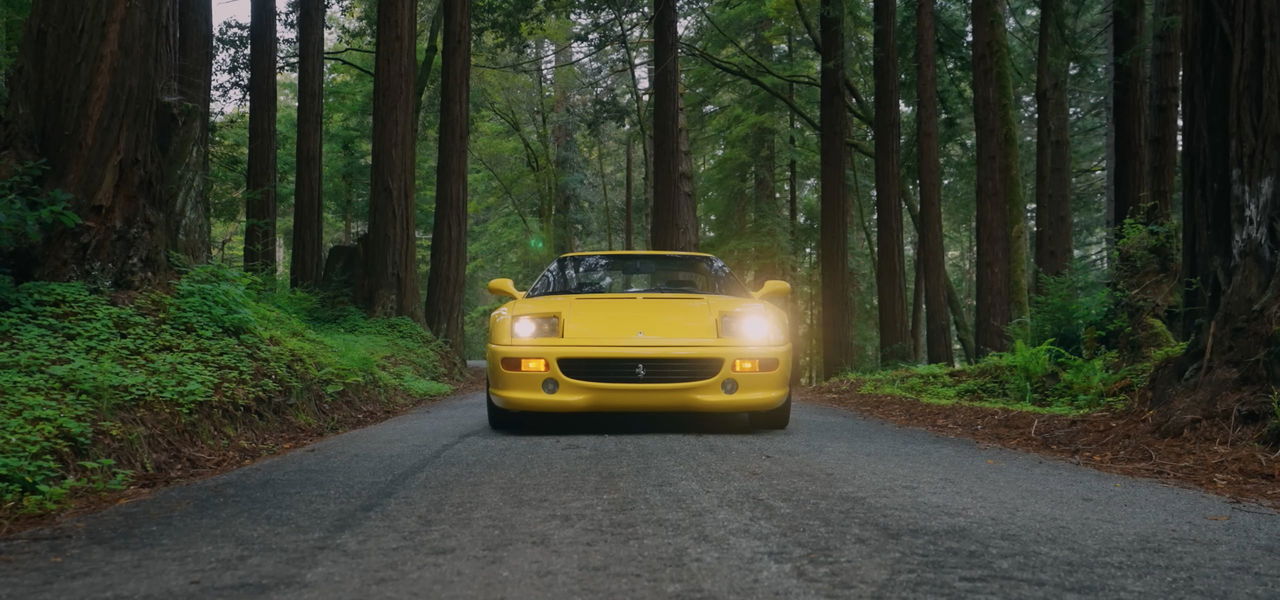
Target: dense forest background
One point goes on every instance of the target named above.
(1087, 184)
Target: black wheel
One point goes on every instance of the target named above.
(777, 418)
(500, 418)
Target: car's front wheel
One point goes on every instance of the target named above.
(777, 418)
(499, 418)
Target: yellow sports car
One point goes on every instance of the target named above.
(640, 332)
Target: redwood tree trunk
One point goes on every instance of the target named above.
(674, 217)
(308, 199)
(627, 195)
(991, 101)
(564, 154)
(1231, 215)
(1128, 28)
(1053, 145)
(891, 278)
(769, 251)
(1166, 66)
(447, 281)
(92, 94)
(834, 214)
(189, 185)
(391, 258)
(260, 199)
(932, 258)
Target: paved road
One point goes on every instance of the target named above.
(433, 504)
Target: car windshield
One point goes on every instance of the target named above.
(637, 273)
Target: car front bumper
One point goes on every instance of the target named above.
(523, 391)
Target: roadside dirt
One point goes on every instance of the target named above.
(1220, 458)
(202, 460)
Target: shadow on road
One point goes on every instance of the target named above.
(632, 424)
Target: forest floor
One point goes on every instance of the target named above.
(245, 449)
(1221, 458)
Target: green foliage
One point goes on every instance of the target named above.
(1073, 309)
(1041, 378)
(26, 209)
(74, 365)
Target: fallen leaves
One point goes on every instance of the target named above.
(1123, 441)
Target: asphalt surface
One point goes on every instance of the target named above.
(435, 505)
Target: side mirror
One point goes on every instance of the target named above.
(505, 287)
(773, 289)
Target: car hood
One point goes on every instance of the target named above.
(630, 319)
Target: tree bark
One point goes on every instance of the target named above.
(391, 263)
(190, 187)
(93, 96)
(766, 218)
(1053, 145)
(891, 278)
(627, 195)
(834, 214)
(446, 284)
(428, 61)
(932, 257)
(604, 199)
(1128, 28)
(1166, 67)
(674, 217)
(917, 310)
(1001, 285)
(1231, 217)
(564, 154)
(308, 199)
(260, 199)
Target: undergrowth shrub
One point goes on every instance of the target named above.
(26, 209)
(76, 368)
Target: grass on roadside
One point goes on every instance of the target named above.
(1041, 378)
(95, 387)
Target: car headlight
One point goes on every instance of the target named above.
(528, 327)
(752, 327)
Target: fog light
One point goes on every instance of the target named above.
(525, 365)
(755, 365)
(550, 385)
(729, 386)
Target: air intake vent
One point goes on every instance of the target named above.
(640, 370)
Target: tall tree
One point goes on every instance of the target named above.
(391, 263)
(1129, 115)
(766, 218)
(446, 283)
(190, 177)
(932, 259)
(1166, 67)
(105, 72)
(260, 199)
(1053, 144)
(564, 148)
(1001, 228)
(308, 196)
(674, 216)
(627, 192)
(891, 278)
(834, 213)
(1231, 214)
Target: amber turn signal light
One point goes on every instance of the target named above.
(754, 365)
(525, 365)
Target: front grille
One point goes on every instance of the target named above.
(640, 370)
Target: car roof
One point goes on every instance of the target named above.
(636, 252)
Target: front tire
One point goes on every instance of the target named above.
(500, 419)
(777, 418)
